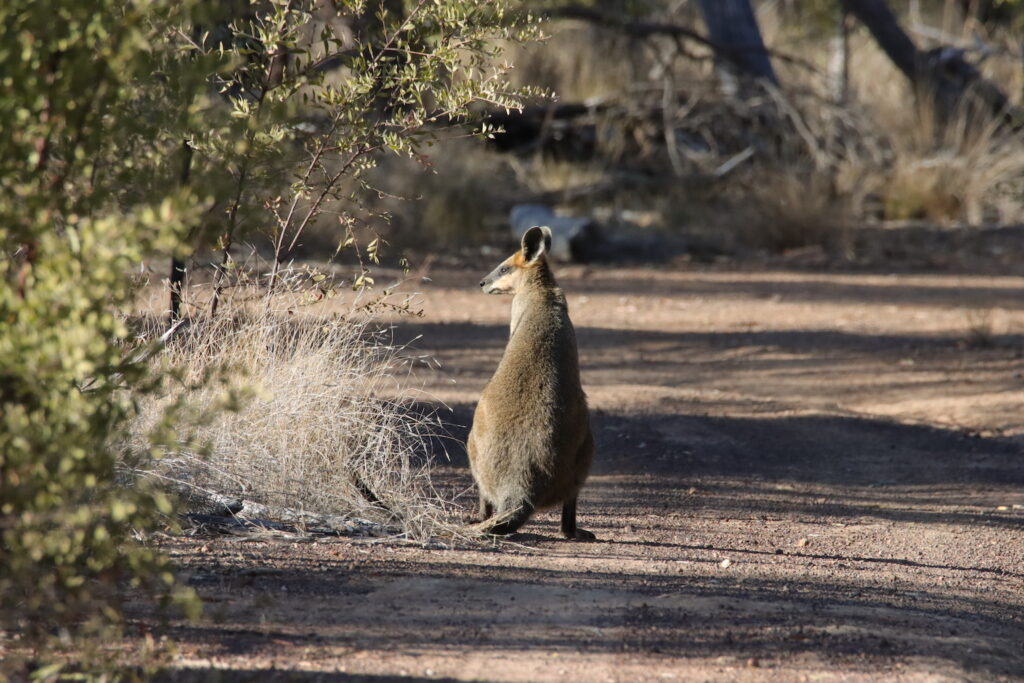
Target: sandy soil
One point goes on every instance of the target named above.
(800, 477)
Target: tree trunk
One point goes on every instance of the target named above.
(839, 60)
(942, 73)
(732, 27)
(177, 278)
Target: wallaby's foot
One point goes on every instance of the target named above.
(581, 535)
(569, 528)
(486, 510)
(508, 521)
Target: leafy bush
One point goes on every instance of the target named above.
(81, 202)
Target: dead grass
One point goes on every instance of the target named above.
(964, 172)
(960, 172)
(459, 196)
(329, 425)
(579, 62)
(790, 210)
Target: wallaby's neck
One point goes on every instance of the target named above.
(539, 277)
(538, 289)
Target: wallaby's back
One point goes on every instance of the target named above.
(531, 445)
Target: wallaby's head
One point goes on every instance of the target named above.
(512, 273)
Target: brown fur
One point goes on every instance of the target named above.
(531, 445)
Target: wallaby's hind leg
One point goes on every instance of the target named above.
(486, 509)
(509, 521)
(569, 528)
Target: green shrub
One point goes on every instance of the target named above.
(83, 197)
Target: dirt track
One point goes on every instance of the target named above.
(799, 477)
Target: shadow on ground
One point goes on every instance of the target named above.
(214, 675)
(431, 336)
(451, 607)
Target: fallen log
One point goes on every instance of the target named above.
(250, 513)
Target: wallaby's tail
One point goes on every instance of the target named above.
(509, 521)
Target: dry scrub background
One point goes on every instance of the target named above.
(661, 128)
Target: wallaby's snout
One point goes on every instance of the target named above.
(501, 280)
(531, 445)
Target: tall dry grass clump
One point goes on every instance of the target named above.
(328, 427)
(793, 210)
(960, 169)
(964, 171)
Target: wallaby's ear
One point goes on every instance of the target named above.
(536, 242)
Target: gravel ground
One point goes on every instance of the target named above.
(799, 477)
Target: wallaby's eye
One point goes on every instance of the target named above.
(505, 269)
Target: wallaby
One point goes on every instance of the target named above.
(530, 446)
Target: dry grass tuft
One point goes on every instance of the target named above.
(579, 62)
(329, 426)
(961, 172)
(791, 210)
(980, 329)
(955, 173)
